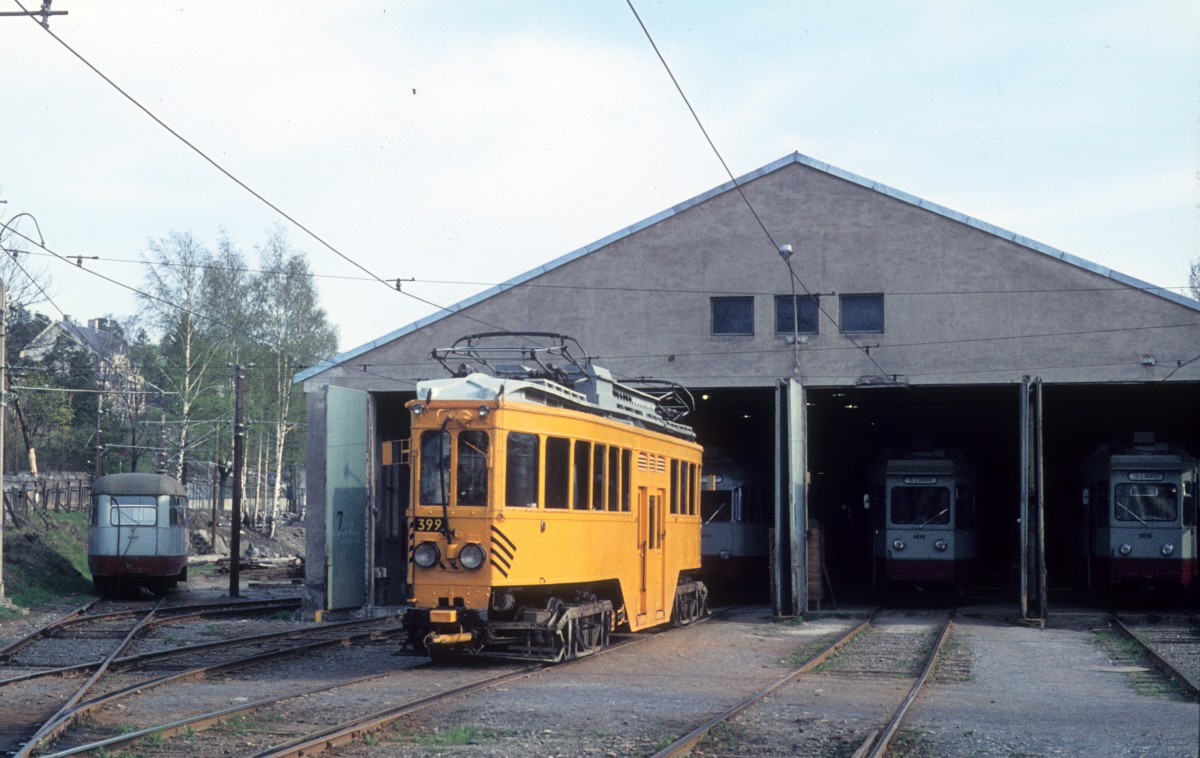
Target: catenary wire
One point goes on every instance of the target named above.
(741, 192)
(320, 240)
(1117, 288)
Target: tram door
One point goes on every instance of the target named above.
(650, 598)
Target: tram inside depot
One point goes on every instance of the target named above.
(847, 432)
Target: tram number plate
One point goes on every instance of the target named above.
(425, 524)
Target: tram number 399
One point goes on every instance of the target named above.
(425, 524)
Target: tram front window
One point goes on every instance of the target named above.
(920, 505)
(716, 505)
(1146, 502)
(435, 468)
(472, 467)
(132, 510)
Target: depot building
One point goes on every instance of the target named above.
(895, 327)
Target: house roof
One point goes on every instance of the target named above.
(97, 341)
(794, 158)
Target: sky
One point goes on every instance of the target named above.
(455, 145)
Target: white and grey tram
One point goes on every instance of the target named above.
(734, 533)
(1140, 516)
(137, 533)
(923, 523)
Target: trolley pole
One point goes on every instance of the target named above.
(235, 525)
(3, 418)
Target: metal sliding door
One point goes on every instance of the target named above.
(790, 570)
(346, 497)
(1033, 503)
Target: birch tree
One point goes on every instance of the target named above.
(188, 304)
(292, 329)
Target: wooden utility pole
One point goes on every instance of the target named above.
(235, 524)
(3, 392)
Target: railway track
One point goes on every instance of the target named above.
(54, 675)
(312, 720)
(876, 647)
(1172, 641)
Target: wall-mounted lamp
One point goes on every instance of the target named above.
(785, 252)
(1149, 360)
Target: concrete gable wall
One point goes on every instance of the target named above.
(962, 306)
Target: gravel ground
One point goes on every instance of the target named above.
(1002, 690)
(1051, 691)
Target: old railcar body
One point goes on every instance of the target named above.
(550, 505)
(137, 532)
(925, 534)
(1140, 516)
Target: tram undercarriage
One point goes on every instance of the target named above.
(554, 632)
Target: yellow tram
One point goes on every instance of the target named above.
(550, 505)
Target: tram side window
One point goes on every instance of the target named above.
(94, 515)
(178, 507)
(521, 471)
(614, 478)
(599, 456)
(751, 504)
(1100, 503)
(472, 467)
(626, 482)
(1189, 503)
(964, 508)
(583, 462)
(558, 472)
(674, 486)
(435, 468)
(691, 482)
(652, 522)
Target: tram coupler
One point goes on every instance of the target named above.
(433, 639)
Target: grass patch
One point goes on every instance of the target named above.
(911, 745)
(1155, 682)
(10, 613)
(46, 561)
(725, 737)
(454, 736)
(460, 734)
(237, 725)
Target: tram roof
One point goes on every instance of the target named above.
(794, 158)
(605, 398)
(138, 484)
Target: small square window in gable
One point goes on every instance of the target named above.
(807, 321)
(733, 316)
(862, 313)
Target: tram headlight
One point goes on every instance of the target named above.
(1168, 549)
(898, 544)
(471, 556)
(1125, 549)
(426, 555)
(941, 546)
(418, 409)
(484, 410)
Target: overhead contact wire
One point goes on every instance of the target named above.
(738, 187)
(320, 240)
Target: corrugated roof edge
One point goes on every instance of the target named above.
(797, 157)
